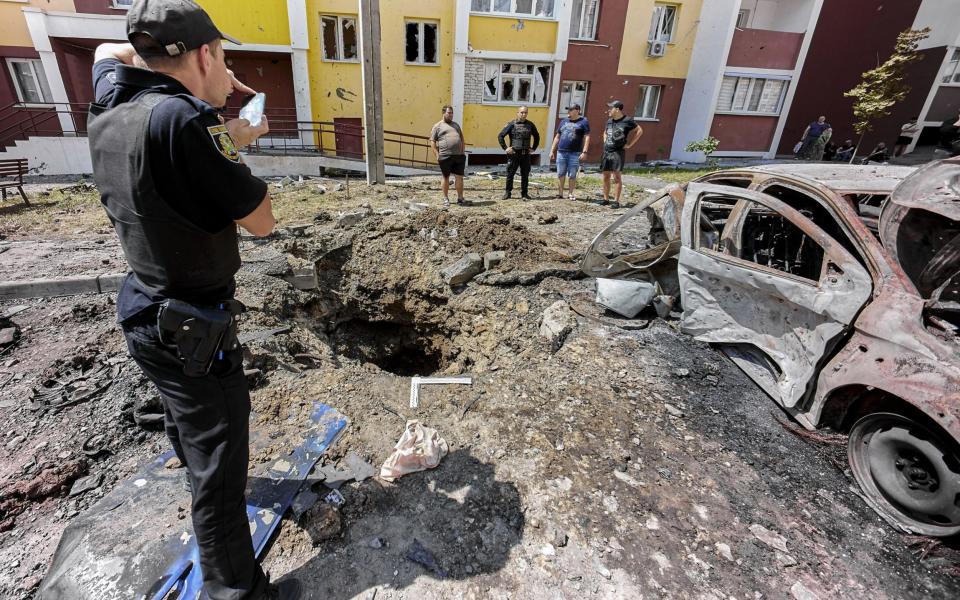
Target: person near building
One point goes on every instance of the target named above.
(449, 147)
(810, 136)
(570, 146)
(175, 187)
(908, 131)
(879, 154)
(820, 147)
(845, 152)
(524, 140)
(620, 134)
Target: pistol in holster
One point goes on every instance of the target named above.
(200, 335)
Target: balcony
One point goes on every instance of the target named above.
(765, 49)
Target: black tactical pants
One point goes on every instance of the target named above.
(520, 159)
(207, 421)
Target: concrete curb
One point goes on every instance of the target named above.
(68, 286)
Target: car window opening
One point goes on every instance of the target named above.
(868, 208)
(752, 232)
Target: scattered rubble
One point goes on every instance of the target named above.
(463, 270)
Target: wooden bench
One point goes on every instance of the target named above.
(11, 176)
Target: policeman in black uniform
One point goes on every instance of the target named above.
(175, 187)
(524, 139)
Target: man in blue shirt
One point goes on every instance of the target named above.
(570, 146)
(810, 136)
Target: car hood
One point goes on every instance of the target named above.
(920, 227)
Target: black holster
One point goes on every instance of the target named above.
(200, 335)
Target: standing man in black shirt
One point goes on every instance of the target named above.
(622, 132)
(524, 139)
(175, 188)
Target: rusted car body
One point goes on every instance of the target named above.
(837, 290)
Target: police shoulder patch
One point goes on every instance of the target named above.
(224, 143)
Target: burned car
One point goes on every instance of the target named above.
(836, 289)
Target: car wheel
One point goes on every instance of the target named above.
(909, 472)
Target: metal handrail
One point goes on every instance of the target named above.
(287, 135)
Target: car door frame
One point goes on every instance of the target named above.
(829, 305)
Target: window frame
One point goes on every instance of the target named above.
(40, 80)
(339, 39)
(660, 10)
(592, 37)
(642, 101)
(743, 19)
(513, 13)
(517, 77)
(562, 106)
(421, 23)
(951, 75)
(749, 94)
(741, 207)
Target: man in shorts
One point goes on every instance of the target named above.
(621, 133)
(450, 150)
(570, 146)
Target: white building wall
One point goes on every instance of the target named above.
(778, 15)
(943, 18)
(718, 19)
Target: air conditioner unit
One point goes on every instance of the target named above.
(656, 49)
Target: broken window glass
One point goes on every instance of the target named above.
(524, 7)
(328, 31)
(480, 6)
(430, 53)
(506, 92)
(544, 8)
(413, 42)
(491, 77)
(349, 39)
(523, 90)
(501, 6)
(541, 78)
(584, 19)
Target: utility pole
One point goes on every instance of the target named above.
(372, 89)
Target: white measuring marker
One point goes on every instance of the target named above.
(416, 382)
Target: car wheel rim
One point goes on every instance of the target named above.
(908, 473)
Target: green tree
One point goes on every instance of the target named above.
(881, 88)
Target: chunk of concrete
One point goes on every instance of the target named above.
(557, 323)
(493, 259)
(347, 220)
(463, 270)
(626, 298)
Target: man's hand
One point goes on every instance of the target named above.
(510, 150)
(243, 133)
(583, 155)
(240, 87)
(553, 155)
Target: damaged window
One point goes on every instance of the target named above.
(583, 24)
(534, 8)
(516, 83)
(339, 37)
(421, 46)
(664, 23)
(749, 231)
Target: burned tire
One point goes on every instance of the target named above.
(909, 472)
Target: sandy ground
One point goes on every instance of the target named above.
(624, 461)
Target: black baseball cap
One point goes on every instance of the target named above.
(178, 26)
(574, 107)
(616, 104)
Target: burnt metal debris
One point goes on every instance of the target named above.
(837, 290)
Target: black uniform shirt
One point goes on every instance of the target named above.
(523, 135)
(195, 165)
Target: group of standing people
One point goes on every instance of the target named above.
(815, 144)
(570, 146)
